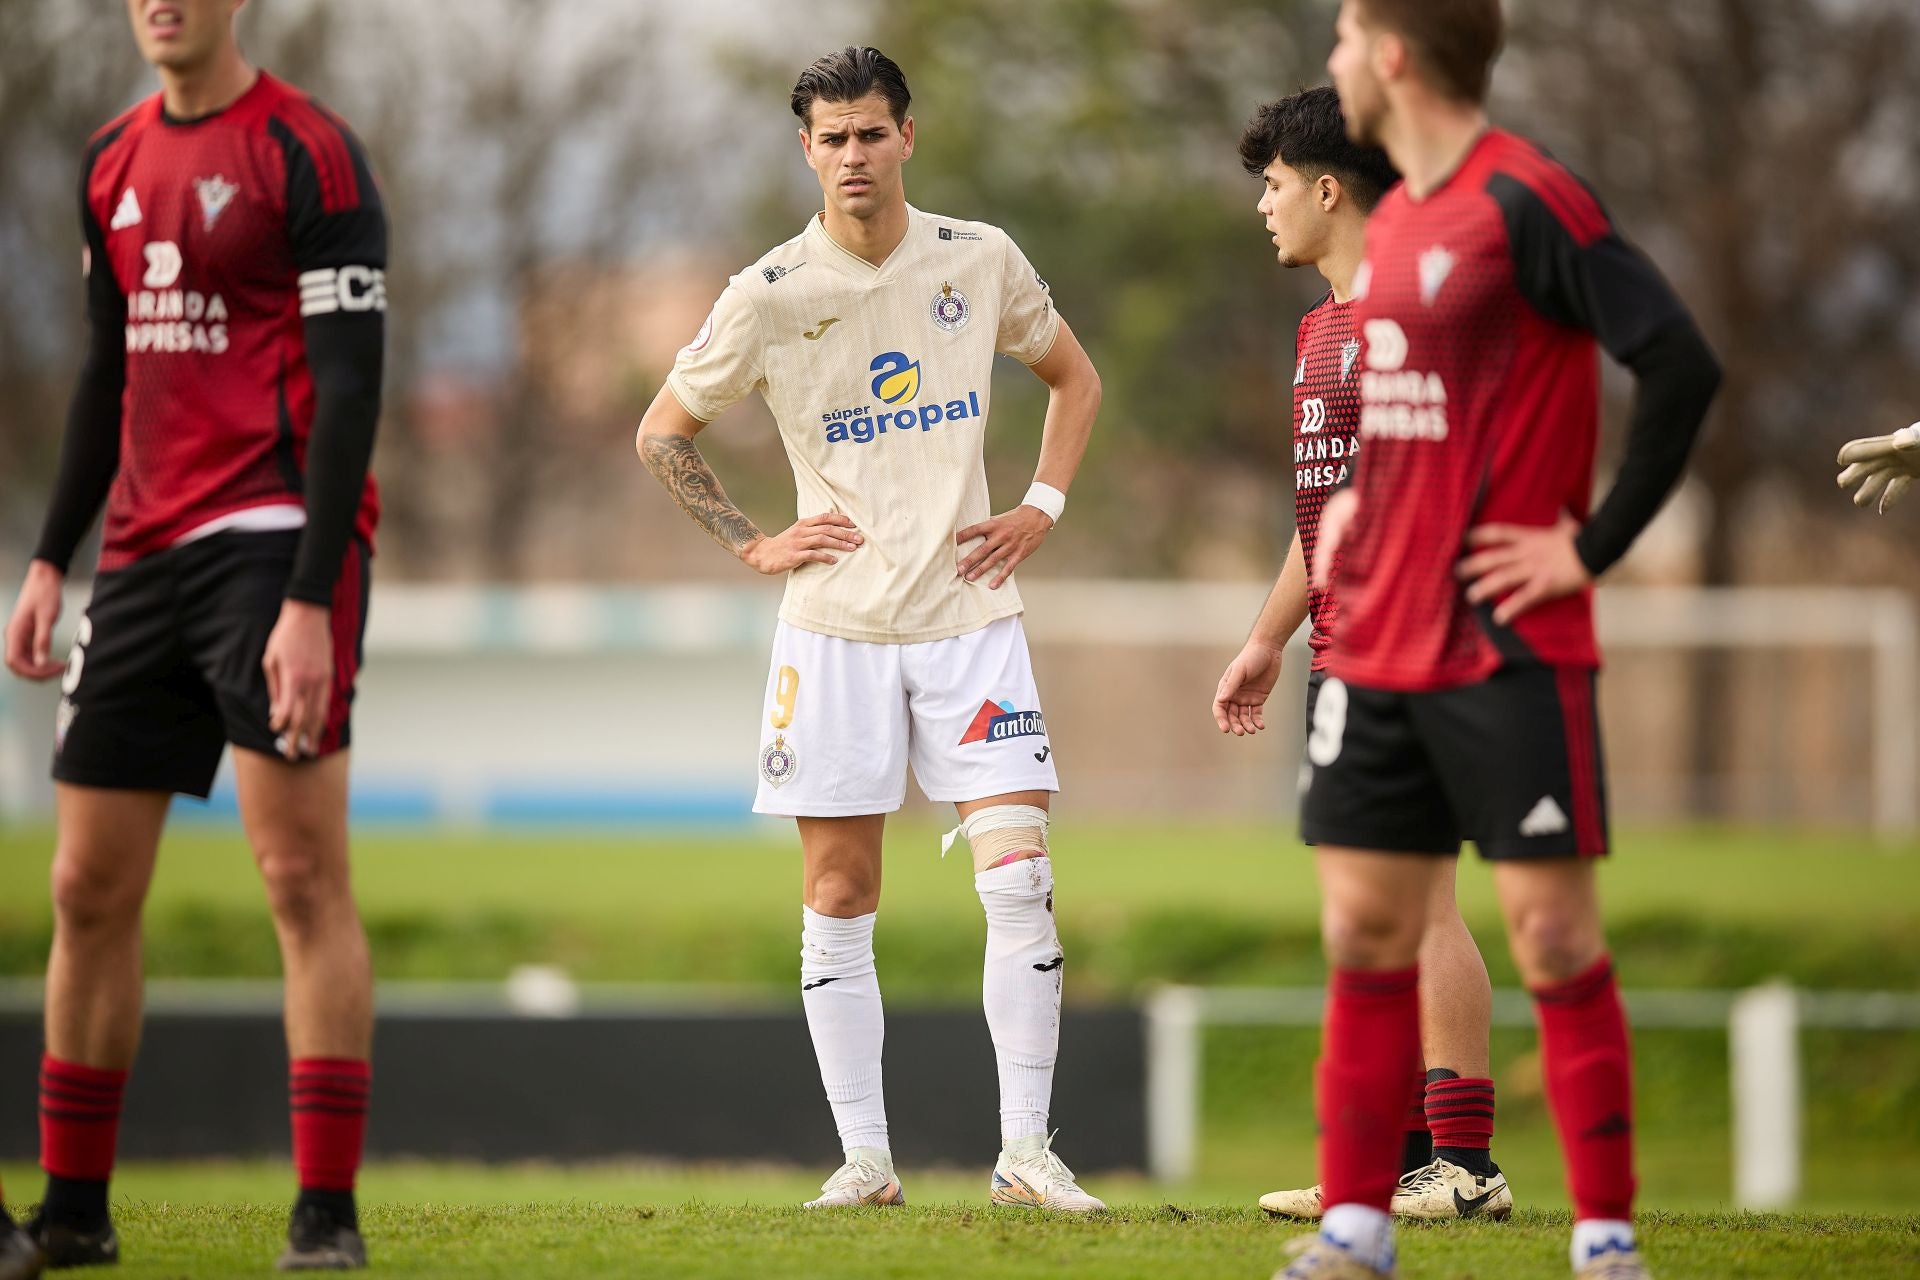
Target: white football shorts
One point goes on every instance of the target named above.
(844, 718)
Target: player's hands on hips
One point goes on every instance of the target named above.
(299, 667)
(812, 539)
(1883, 467)
(1522, 566)
(30, 630)
(1009, 539)
(1335, 519)
(1239, 704)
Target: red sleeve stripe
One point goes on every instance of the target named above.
(324, 140)
(1577, 718)
(1570, 202)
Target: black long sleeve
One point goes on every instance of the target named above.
(90, 449)
(1677, 375)
(337, 230)
(1587, 275)
(345, 354)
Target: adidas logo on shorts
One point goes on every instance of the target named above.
(1546, 818)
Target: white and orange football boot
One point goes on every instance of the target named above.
(866, 1178)
(1029, 1174)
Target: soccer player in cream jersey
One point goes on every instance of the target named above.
(871, 334)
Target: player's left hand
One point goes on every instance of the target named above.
(299, 667)
(1010, 539)
(1522, 566)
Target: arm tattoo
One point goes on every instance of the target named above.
(677, 464)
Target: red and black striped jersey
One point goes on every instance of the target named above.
(211, 239)
(1326, 425)
(1479, 307)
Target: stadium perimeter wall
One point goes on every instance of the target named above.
(671, 1084)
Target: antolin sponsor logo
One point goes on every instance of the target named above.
(896, 383)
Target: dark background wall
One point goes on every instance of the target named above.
(694, 1086)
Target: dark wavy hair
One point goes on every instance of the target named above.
(1308, 134)
(847, 76)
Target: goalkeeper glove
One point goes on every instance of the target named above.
(1883, 466)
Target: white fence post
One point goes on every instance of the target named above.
(1173, 1016)
(1763, 1042)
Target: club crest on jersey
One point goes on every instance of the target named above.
(1349, 352)
(778, 761)
(1436, 264)
(215, 193)
(998, 721)
(950, 309)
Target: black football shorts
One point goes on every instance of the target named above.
(1512, 763)
(165, 669)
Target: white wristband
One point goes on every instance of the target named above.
(1047, 498)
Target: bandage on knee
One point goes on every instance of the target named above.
(998, 832)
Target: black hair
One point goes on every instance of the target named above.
(847, 76)
(1308, 134)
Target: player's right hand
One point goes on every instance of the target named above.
(814, 538)
(1883, 467)
(30, 631)
(1239, 704)
(1335, 518)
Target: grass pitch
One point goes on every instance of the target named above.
(209, 1221)
(1138, 905)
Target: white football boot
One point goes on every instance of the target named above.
(1438, 1190)
(1617, 1264)
(866, 1178)
(1303, 1205)
(1029, 1174)
(1317, 1258)
(1445, 1190)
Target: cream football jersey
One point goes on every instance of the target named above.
(880, 379)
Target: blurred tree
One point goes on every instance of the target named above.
(1760, 149)
(1101, 134)
(504, 140)
(1763, 149)
(48, 106)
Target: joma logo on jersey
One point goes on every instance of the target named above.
(998, 721)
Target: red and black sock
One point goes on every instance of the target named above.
(1416, 1141)
(329, 1098)
(1583, 1042)
(1460, 1114)
(1370, 1048)
(79, 1128)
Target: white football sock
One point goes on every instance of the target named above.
(841, 992)
(1021, 989)
(1365, 1232)
(1594, 1236)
